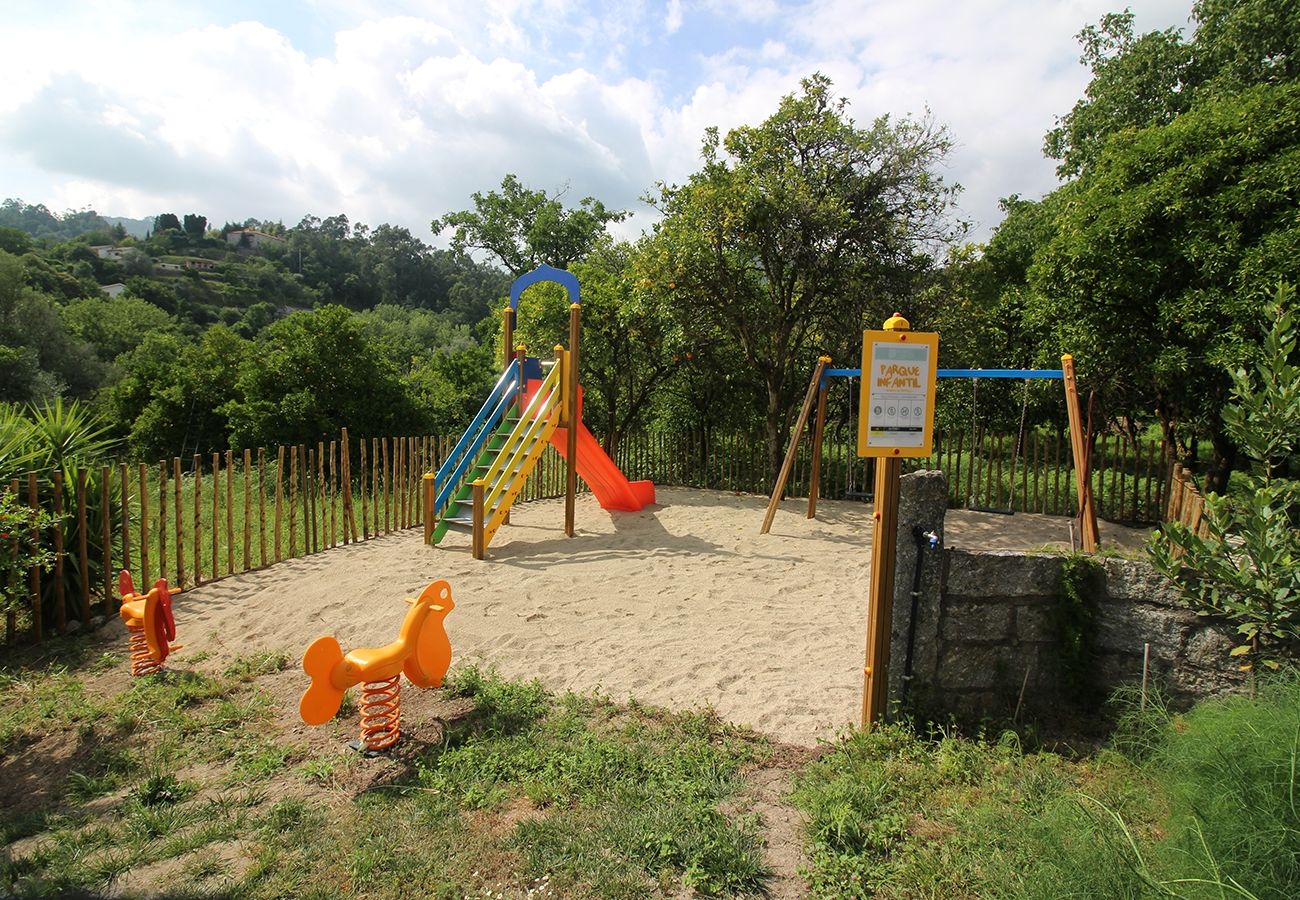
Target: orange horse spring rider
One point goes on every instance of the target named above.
(422, 651)
(149, 622)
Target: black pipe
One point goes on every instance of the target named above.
(922, 538)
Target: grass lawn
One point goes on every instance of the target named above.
(196, 783)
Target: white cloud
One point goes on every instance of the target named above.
(673, 18)
(409, 106)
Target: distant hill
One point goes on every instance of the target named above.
(38, 221)
(137, 228)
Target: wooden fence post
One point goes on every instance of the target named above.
(34, 573)
(83, 546)
(180, 529)
(60, 603)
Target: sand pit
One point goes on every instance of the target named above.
(682, 605)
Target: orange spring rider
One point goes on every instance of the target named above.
(422, 651)
(149, 623)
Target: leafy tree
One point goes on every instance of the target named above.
(631, 343)
(308, 375)
(113, 327)
(1147, 275)
(1136, 82)
(448, 386)
(195, 226)
(15, 241)
(41, 356)
(779, 242)
(1149, 80)
(1248, 567)
(166, 222)
(523, 228)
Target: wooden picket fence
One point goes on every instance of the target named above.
(1130, 483)
(238, 511)
(1186, 503)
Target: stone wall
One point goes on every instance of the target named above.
(991, 624)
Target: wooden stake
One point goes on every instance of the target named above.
(279, 499)
(198, 519)
(248, 510)
(179, 506)
(293, 501)
(143, 574)
(261, 507)
(162, 518)
(365, 511)
(125, 474)
(572, 366)
(106, 510)
(34, 573)
(83, 545)
(60, 603)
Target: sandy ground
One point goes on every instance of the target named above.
(683, 605)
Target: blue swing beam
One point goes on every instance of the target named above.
(960, 373)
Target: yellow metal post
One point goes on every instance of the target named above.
(573, 419)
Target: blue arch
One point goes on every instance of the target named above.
(544, 273)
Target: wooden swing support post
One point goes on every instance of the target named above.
(779, 488)
(1080, 445)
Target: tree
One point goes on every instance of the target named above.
(1148, 275)
(310, 374)
(523, 228)
(113, 327)
(1149, 80)
(195, 226)
(1247, 568)
(631, 344)
(806, 230)
(166, 222)
(42, 359)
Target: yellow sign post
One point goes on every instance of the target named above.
(895, 419)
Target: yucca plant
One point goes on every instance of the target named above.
(65, 438)
(17, 446)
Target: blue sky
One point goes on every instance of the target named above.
(397, 111)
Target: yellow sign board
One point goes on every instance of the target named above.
(896, 408)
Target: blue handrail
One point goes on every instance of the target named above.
(471, 442)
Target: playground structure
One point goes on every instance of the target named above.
(819, 387)
(422, 652)
(149, 624)
(533, 404)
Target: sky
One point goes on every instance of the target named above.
(399, 110)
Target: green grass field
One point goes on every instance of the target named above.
(201, 782)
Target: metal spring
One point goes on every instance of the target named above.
(381, 713)
(141, 662)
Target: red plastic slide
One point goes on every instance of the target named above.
(605, 479)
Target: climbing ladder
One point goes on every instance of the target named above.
(494, 458)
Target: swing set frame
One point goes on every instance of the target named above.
(819, 387)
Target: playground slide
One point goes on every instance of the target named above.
(605, 479)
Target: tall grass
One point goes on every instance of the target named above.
(1204, 804)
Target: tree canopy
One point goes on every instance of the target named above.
(799, 231)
